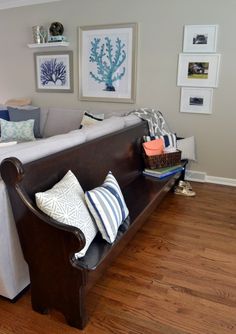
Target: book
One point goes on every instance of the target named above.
(163, 170)
(163, 175)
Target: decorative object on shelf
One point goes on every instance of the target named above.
(198, 70)
(56, 30)
(53, 39)
(108, 62)
(44, 37)
(38, 34)
(196, 100)
(54, 72)
(200, 38)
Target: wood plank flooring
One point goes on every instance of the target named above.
(177, 276)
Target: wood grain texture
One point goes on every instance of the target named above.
(177, 276)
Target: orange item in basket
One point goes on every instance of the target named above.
(154, 147)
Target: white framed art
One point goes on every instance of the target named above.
(54, 71)
(107, 62)
(196, 100)
(200, 38)
(198, 70)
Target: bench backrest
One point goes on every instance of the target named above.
(119, 152)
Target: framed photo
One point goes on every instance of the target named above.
(198, 70)
(53, 71)
(107, 62)
(200, 38)
(196, 100)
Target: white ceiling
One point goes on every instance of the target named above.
(4, 4)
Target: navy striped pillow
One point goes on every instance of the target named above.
(4, 114)
(169, 140)
(107, 205)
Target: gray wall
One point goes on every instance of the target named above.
(160, 41)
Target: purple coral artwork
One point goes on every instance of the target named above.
(53, 71)
(107, 63)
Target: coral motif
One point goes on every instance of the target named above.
(108, 61)
(54, 72)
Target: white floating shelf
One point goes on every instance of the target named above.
(48, 45)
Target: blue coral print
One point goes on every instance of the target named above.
(108, 59)
(53, 72)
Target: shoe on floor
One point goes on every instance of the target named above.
(185, 184)
(184, 191)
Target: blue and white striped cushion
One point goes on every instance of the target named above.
(169, 140)
(107, 205)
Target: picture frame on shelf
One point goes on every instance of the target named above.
(196, 100)
(107, 62)
(198, 70)
(54, 71)
(200, 38)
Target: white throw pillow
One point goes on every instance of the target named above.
(65, 203)
(107, 205)
(187, 147)
(91, 119)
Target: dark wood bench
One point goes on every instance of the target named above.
(58, 279)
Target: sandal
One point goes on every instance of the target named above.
(185, 184)
(184, 191)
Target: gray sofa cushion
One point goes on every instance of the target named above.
(19, 115)
(103, 128)
(30, 151)
(61, 121)
(43, 119)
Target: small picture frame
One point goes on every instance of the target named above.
(198, 70)
(107, 62)
(200, 38)
(53, 72)
(196, 100)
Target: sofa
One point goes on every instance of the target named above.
(60, 131)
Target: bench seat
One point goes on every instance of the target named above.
(58, 279)
(141, 196)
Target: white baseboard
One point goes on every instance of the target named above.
(192, 175)
(196, 176)
(221, 180)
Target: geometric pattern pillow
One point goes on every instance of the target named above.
(65, 203)
(107, 205)
(17, 131)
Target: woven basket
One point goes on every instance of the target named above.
(162, 160)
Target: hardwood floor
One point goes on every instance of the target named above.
(177, 276)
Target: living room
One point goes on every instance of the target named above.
(160, 40)
(160, 36)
